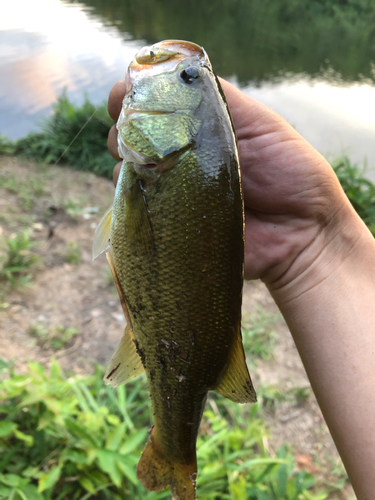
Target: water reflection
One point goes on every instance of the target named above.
(335, 119)
(316, 70)
(40, 54)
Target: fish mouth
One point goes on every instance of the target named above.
(132, 111)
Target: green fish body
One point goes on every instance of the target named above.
(177, 247)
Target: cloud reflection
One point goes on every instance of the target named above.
(46, 45)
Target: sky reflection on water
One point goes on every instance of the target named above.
(68, 46)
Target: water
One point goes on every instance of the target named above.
(313, 64)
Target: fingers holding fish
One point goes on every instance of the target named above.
(115, 99)
(112, 143)
(116, 172)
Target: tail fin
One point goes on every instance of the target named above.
(156, 472)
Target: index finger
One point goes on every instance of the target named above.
(115, 99)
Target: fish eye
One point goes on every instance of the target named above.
(189, 74)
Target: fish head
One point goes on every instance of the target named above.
(162, 109)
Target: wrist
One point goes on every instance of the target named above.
(340, 245)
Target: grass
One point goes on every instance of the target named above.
(54, 337)
(73, 207)
(19, 260)
(69, 437)
(270, 396)
(25, 190)
(73, 254)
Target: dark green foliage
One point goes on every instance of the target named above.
(360, 191)
(75, 135)
(7, 147)
(74, 438)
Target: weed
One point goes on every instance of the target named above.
(61, 336)
(271, 396)
(72, 207)
(55, 337)
(26, 190)
(338, 475)
(39, 332)
(73, 254)
(258, 333)
(360, 191)
(77, 438)
(75, 134)
(19, 259)
(7, 147)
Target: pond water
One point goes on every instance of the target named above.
(313, 62)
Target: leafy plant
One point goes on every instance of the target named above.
(75, 438)
(55, 337)
(7, 147)
(19, 259)
(360, 191)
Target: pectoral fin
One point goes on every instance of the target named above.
(102, 235)
(125, 363)
(235, 383)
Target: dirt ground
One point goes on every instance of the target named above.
(62, 208)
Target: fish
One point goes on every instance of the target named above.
(175, 244)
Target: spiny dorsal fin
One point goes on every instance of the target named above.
(102, 235)
(236, 383)
(125, 364)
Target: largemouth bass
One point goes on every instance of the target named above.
(176, 241)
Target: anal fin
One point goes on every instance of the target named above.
(235, 383)
(126, 363)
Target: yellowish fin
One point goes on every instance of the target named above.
(156, 472)
(125, 363)
(102, 235)
(236, 384)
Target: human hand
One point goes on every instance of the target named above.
(294, 204)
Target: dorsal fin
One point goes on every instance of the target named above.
(235, 383)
